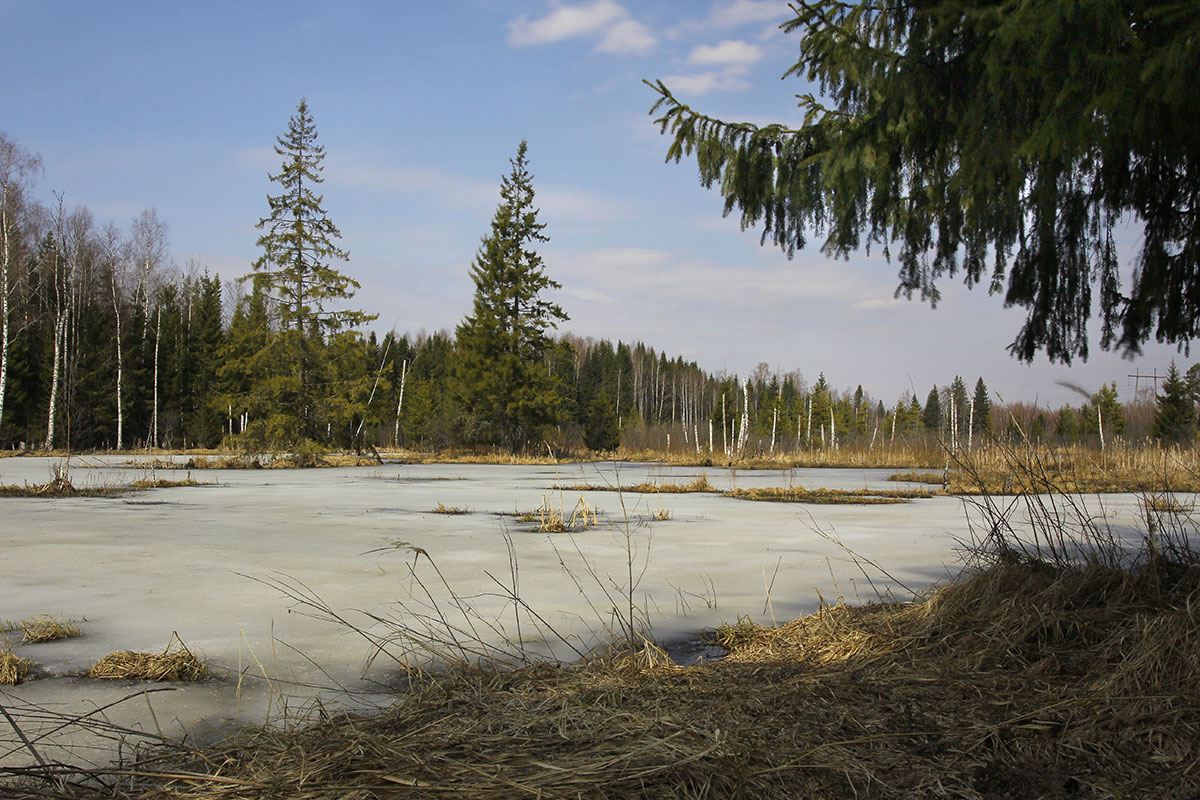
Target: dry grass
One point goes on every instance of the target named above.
(551, 519)
(175, 663)
(1016, 681)
(444, 509)
(42, 629)
(13, 668)
(700, 484)
(935, 478)
(60, 487)
(793, 494)
(164, 483)
(303, 460)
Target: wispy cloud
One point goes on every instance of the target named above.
(609, 21)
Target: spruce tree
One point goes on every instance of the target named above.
(502, 380)
(931, 416)
(296, 273)
(1175, 417)
(982, 421)
(996, 140)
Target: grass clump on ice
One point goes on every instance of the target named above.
(452, 510)
(175, 663)
(793, 494)
(13, 668)
(42, 629)
(700, 484)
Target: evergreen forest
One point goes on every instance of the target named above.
(107, 343)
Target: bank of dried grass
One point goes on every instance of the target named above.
(175, 663)
(1018, 680)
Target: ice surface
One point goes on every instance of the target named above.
(199, 561)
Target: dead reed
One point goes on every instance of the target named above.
(175, 663)
(793, 494)
(13, 668)
(451, 510)
(699, 484)
(42, 629)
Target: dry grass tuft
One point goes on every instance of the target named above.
(700, 484)
(444, 509)
(828, 496)
(43, 629)
(935, 478)
(175, 663)
(13, 668)
(60, 487)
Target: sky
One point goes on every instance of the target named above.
(175, 106)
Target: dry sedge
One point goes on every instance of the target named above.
(1017, 681)
(827, 496)
(175, 663)
(443, 509)
(13, 668)
(700, 484)
(936, 478)
(46, 629)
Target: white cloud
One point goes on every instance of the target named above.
(745, 12)
(876, 303)
(708, 81)
(730, 51)
(627, 36)
(618, 32)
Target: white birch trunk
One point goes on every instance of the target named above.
(154, 411)
(120, 362)
(60, 333)
(400, 403)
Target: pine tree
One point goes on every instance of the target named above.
(1175, 417)
(502, 379)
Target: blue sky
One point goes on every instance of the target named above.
(176, 106)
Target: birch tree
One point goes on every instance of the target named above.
(17, 169)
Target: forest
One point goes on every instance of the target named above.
(109, 344)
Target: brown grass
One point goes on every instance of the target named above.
(828, 496)
(60, 487)
(13, 668)
(443, 509)
(175, 663)
(42, 629)
(304, 460)
(936, 478)
(1016, 681)
(700, 484)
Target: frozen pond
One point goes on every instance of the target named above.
(201, 560)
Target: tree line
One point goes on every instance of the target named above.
(106, 343)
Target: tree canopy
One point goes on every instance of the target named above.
(1000, 139)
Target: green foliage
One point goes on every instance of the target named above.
(1001, 140)
(508, 394)
(1175, 417)
(982, 409)
(931, 416)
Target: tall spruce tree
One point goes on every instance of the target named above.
(1175, 417)
(296, 273)
(931, 416)
(1003, 140)
(982, 412)
(502, 380)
